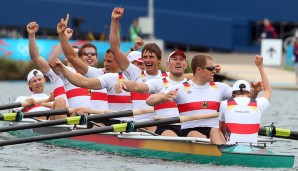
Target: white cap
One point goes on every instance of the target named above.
(177, 52)
(241, 84)
(135, 56)
(34, 73)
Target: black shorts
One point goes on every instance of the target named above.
(163, 128)
(202, 130)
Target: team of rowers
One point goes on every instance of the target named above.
(132, 80)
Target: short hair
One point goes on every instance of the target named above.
(74, 46)
(199, 60)
(80, 53)
(108, 51)
(153, 48)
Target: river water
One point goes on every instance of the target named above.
(42, 157)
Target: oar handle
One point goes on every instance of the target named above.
(191, 118)
(11, 105)
(143, 111)
(88, 110)
(198, 116)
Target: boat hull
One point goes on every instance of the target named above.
(169, 148)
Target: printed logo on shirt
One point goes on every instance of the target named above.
(186, 86)
(165, 82)
(213, 85)
(121, 78)
(204, 105)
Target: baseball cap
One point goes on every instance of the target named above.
(177, 52)
(241, 84)
(135, 56)
(34, 73)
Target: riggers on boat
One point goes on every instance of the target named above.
(186, 149)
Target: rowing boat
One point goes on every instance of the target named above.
(186, 149)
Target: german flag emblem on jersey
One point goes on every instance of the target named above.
(165, 82)
(143, 75)
(186, 86)
(213, 85)
(121, 78)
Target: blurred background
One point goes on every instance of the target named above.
(190, 25)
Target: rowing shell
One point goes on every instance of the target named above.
(186, 149)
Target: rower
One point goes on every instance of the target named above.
(239, 118)
(36, 82)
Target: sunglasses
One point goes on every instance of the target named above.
(209, 68)
(91, 53)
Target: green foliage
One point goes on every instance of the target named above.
(14, 70)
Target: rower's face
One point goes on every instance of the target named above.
(89, 56)
(177, 64)
(206, 74)
(36, 84)
(151, 61)
(110, 64)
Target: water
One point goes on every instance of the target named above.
(42, 157)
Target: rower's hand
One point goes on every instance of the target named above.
(68, 33)
(30, 103)
(62, 25)
(52, 97)
(117, 13)
(217, 68)
(258, 60)
(170, 95)
(119, 86)
(32, 28)
(257, 86)
(57, 65)
(139, 43)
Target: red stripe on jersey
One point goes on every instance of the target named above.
(243, 128)
(139, 96)
(35, 106)
(165, 105)
(198, 106)
(118, 99)
(58, 91)
(99, 96)
(77, 92)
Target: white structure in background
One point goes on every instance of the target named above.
(271, 51)
(147, 26)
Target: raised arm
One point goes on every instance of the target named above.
(69, 53)
(41, 63)
(139, 43)
(57, 51)
(120, 57)
(266, 85)
(76, 79)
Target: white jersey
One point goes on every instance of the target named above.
(242, 117)
(77, 96)
(57, 83)
(139, 100)
(168, 109)
(37, 107)
(99, 98)
(117, 102)
(193, 99)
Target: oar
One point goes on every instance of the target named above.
(272, 131)
(123, 127)
(21, 104)
(18, 116)
(81, 119)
